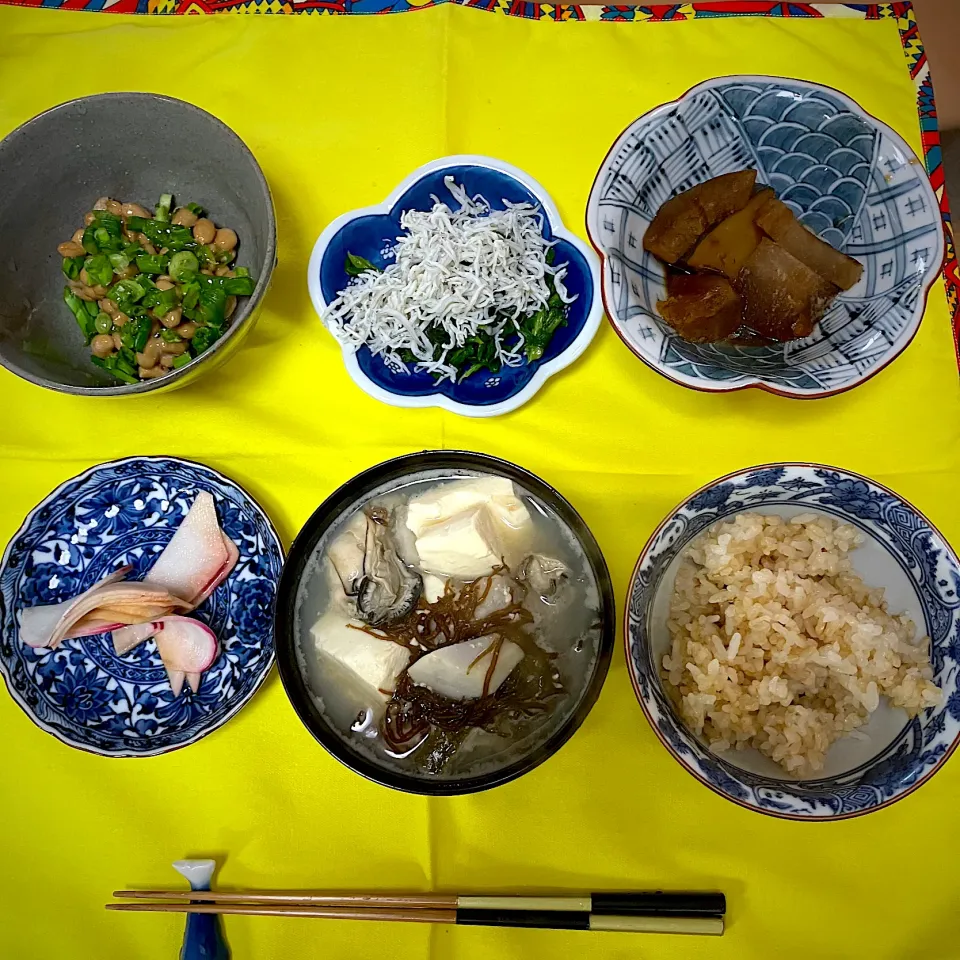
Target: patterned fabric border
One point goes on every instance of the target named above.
(656, 12)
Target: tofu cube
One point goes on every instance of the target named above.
(456, 672)
(464, 546)
(376, 663)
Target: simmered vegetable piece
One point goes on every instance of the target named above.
(782, 298)
(685, 218)
(728, 246)
(701, 307)
(777, 221)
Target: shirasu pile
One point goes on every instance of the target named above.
(457, 274)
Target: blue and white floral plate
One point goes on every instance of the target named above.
(903, 553)
(848, 177)
(118, 513)
(371, 232)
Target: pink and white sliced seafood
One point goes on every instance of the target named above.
(105, 605)
(187, 647)
(198, 558)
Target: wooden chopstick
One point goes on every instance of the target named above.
(303, 897)
(539, 919)
(653, 904)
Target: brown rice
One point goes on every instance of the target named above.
(777, 643)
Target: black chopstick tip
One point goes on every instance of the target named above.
(660, 904)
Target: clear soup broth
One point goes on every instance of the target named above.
(448, 623)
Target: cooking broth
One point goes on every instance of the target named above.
(447, 623)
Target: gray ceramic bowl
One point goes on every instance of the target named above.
(54, 166)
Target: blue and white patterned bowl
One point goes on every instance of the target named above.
(371, 231)
(846, 175)
(114, 514)
(903, 553)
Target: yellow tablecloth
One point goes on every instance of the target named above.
(338, 111)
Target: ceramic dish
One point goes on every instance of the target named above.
(903, 553)
(293, 598)
(57, 164)
(847, 176)
(124, 512)
(370, 231)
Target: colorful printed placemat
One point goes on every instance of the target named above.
(338, 110)
(903, 13)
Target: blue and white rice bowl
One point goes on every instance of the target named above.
(903, 553)
(848, 177)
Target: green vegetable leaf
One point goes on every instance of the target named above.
(119, 261)
(160, 234)
(78, 308)
(127, 359)
(72, 267)
(191, 296)
(212, 301)
(126, 293)
(202, 340)
(141, 332)
(238, 286)
(99, 270)
(184, 266)
(111, 365)
(161, 302)
(355, 265)
(109, 221)
(89, 240)
(538, 329)
(153, 263)
(206, 255)
(181, 361)
(162, 212)
(195, 208)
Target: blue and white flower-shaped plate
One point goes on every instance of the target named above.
(848, 177)
(372, 231)
(118, 513)
(903, 553)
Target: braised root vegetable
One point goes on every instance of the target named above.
(777, 221)
(681, 222)
(728, 246)
(701, 307)
(756, 269)
(782, 298)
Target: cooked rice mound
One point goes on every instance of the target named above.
(779, 645)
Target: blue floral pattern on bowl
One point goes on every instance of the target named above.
(931, 568)
(847, 176)
(119, 513)
(372, 231)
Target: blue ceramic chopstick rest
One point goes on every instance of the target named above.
(203, 938)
